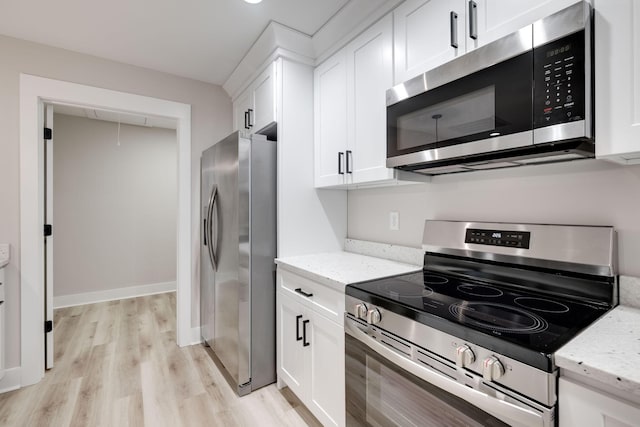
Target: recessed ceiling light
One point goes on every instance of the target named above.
(253, 1)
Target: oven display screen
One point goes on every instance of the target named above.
(511, 239)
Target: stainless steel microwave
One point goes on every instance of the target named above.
(526, 98)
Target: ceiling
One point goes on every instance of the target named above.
(199, 39)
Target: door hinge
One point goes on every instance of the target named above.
(48, 326)
(48, 134)
(48, 230)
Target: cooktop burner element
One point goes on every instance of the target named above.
(480, 290)
(436, 280)
(541, 304)
(498, 317)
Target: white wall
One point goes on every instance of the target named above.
(588, 192)
(114, 210)
(210, 121)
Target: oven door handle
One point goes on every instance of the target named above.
(505, 411)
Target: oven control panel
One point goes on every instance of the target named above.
(511, 239)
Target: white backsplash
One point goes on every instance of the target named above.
(630, 291)
(397, 253)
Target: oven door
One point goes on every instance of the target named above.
(458, 110)
(385, 387)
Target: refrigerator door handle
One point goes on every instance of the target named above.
(212, 201)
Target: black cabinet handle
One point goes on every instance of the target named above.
(340, 155)
(246, 120)
(250, 117)
(473, 19)
(349, 161)
(305, 343)
(298, 337)
(301, 292)
(453, 21)
(205, 232)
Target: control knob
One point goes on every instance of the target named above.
(492, 369)
(464, 356)
(360, 311)
(373, 316)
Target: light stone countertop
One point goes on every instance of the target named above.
(338, 269)
(608, 351)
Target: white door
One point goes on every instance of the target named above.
(241, 112)
(291, 364)
(48, 240)
(426, 32)
(330, 99)
(263, 100)
(325, 344)
(369, 75)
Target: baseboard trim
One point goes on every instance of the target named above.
(12, 380)
(196, 338)
(112, 294)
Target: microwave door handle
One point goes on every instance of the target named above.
(473, 20)
(453, 22)
(505, 411)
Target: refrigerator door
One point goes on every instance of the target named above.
(230, 221)
(207, 272)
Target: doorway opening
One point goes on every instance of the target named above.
(35, 92)
(110, 203)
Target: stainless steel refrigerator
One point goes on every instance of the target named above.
(237, 284)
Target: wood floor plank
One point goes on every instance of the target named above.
(117, 364)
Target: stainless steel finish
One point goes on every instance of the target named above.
(560, 132)
(495, 400)
(504, 142)
(212, 242)
(238, 298)
(580, 249)
(519, 377)
(360, 311)
(373, 316)
(464, 356)
(492, 369)
(453, 25)
(476, 60)
(567, 21)
(473, 19)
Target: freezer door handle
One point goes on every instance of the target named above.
(213, 198)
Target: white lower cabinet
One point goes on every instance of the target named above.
(310, 348)
(581, 405)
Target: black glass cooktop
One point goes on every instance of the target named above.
(514, 321)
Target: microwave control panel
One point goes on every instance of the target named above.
(559, 81)
(510, 239)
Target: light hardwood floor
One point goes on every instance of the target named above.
(117, 364)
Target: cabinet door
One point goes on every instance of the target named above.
(326, 363)
(291, 363)
(617, 70)
(240, 112)
(497, 18)
(264, 110)
(369, 75)
(580, 405)
(422, 35)
(330, 81)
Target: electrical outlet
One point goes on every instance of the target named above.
(394, 221)
(4, 251)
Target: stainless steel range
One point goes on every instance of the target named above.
(470, 339)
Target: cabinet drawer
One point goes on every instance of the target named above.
(318, 297)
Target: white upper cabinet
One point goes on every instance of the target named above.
(350, 111)
(428, 31)
(617, 71)
(330, 81)
(369, 75)
(426, 35)
(255, 108)
(497, 18)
